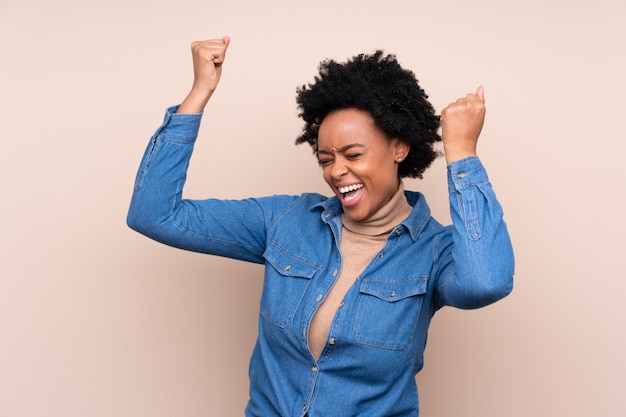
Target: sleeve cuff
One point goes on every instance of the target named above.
(465, 173)
(182, 128)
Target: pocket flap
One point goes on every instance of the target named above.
(394, 290)
(288, 264)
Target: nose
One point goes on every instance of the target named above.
(338, 169)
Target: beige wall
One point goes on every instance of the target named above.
(98, 321)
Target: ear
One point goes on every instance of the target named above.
(400, 149)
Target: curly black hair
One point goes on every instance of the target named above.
(377, 84)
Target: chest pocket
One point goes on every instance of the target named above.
(388, 311)
(286, 279)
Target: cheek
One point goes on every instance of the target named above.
(326, 175)
(386, 175)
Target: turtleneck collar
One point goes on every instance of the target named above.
(385, 219)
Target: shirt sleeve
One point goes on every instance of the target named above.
(476, 261)
(230, 228)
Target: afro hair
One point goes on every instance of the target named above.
(377, 84)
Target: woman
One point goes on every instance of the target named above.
(351, 282)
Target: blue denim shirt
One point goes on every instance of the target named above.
(376, 341)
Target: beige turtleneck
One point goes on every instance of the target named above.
(360, 242)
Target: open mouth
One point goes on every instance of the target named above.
(350, 192)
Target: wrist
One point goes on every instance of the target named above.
(195, 101)
(455, 153)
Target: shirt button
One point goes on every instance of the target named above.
(288, 267)
(304, 407)
(398, 232)
(314, 369)
(332, 341)
(382, 255)
(461, 175)
(319, 298)
(392, 294)
(341, 305)
(335, 273)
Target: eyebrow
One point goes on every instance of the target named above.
(342, 149)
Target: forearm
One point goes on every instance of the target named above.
(195, 101)
(162, 172)
(456, 152)
(481, 263)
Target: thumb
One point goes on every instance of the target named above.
(226, 40)
(480, 92)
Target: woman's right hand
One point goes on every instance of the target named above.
(208, 57)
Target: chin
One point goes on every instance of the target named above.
(356, 216)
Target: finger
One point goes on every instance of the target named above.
(219, 54)
(219, 59)
(226, 40)
(442, 114)
(480, 92)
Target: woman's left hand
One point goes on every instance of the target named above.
(461, 124)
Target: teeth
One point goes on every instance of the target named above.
(349, 188)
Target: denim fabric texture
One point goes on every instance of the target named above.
(377, 338)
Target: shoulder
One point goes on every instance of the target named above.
(282, 205)
(287, 201)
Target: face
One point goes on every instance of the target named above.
(359, 162)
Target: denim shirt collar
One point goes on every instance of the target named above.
(414, 223)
